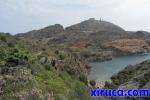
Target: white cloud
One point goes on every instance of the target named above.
(130, 14)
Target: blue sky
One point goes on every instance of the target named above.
(24, 15)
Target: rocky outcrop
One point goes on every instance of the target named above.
(96, 56)
(128, 46)
(46, 32)
(133, 76)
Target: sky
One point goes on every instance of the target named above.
(18, 16)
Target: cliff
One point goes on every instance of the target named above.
(128, 46)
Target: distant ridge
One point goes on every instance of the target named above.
(139, 34)
(44, 32)
(88, 26)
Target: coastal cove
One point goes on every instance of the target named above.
(102, 71)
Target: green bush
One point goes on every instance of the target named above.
(71, 71)
(10, 44)
(3, 39)
(48, 66)
(110, 85)
(92, 82)
(12, 61)
(83, 78)
(61, 56)
(53, 63)
(56, 52)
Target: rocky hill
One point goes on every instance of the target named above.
(78, 32)
(89, 36)
(92, 26)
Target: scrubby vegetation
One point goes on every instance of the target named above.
(50, 62)
(36, 73)
(132, 77)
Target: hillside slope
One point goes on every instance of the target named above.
(132, 77)
(132, 74)
(34, 72)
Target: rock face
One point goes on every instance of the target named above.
(128, 46)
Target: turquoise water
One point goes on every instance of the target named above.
(104, 70)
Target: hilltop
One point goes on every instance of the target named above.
(92, 25)
(78, 32)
